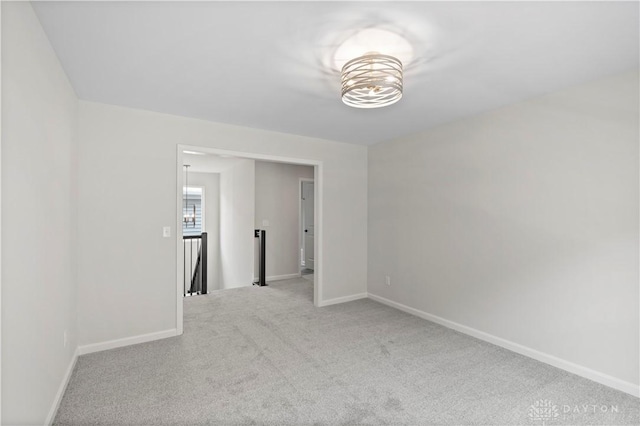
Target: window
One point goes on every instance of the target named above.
(192, 196)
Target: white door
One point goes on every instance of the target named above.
(307, 223)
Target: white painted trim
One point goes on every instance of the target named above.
(179, 242)
(61, 390)
(283, 277)
(343, 299)
(279, 277)
(127, 341)
(563, 364)
(0, 213)
(318, 250)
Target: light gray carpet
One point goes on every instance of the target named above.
(265, 355)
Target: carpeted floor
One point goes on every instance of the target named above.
(266, 355)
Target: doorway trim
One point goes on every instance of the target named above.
(300, 232)
(318, 174)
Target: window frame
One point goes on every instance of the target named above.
(202, 207)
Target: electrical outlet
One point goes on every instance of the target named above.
(387, 280)
(65, 338)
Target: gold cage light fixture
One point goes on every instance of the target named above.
(373, 80)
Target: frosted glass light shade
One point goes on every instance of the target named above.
(372, 81)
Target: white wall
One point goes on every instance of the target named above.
(277, 200)
(39, 294)
(129, 290)
(211, 184)
(237, 210)
(521, 223)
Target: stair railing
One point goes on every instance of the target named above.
(194, 254)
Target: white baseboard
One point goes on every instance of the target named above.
(342, 299)
(279, 277)
(569, 366)
(63, 387)
(283, 277)
(118, 343)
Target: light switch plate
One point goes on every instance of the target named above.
(166, 231)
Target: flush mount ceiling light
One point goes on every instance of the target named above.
(372, 81)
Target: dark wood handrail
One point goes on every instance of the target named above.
(191, 237)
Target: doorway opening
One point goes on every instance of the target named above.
(233, 213)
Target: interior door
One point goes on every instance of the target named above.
(308, 223)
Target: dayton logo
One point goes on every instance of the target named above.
(543, 411)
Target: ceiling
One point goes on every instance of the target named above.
(269, 65)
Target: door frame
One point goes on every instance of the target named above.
(318, 175)
(300, 231)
